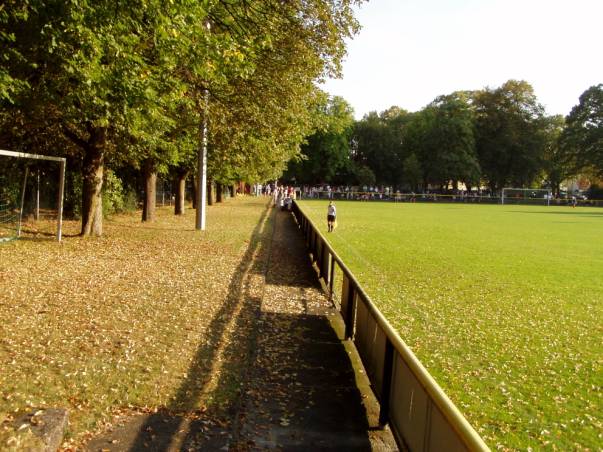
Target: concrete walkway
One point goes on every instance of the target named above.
(303, 393)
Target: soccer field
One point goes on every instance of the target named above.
(502, 304)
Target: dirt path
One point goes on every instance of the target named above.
(300, 391)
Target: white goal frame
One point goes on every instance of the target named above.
(546, 198)
(63, 163)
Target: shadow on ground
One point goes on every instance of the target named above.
(303, 392)
(287, 382)
(186, 423)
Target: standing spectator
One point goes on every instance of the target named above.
(275, 196)
(331, 216)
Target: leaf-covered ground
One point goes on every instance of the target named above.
(299, 389)
(148, 316)
(503, 304)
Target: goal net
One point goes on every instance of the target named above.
(31, 195)
(536, 196)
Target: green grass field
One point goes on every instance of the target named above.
(502, 304)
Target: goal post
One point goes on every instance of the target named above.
(537, 196)
(62, 161)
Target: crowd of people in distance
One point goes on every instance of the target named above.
(282, 196)
(384, 193)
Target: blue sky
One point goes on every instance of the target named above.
(411, 51)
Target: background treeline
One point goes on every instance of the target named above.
(121, 88)
(497, 137)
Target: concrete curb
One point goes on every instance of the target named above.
(48, 425)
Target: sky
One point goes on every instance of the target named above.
(411, 51)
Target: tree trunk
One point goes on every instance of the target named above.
(180, 192)
(150, 191)
(219, 192)
(92, 175)
(233, 191)
(210, 192)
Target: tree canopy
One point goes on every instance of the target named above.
(326, 153)
(510, 134)
(582, 138)
(124, 83)
(495, 137)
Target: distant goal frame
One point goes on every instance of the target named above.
(62, 165)
(548, 191)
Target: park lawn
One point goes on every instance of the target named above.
(502, 304)
(149, 316)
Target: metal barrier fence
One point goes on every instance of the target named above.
(420, 415)
(436, 197)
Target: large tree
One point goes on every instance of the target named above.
(444, 142)
(258, 122)
(510, 134)
(378, 144)
(327, 150)
(582, 138)
(95, 72)
(557, 163)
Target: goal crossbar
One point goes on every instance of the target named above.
(524, 191)
(63, 162)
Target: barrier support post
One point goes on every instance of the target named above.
(350, 313)
(331, 278)
(388, 365)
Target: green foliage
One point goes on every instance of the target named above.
(114, 196)
(326, 152)
(125, 83)
(499, 137)
(73, 194)
(363, 175)
(378, 144)
(510, 137)
(412, 171)
(556, 162)
(258, 120)
(11, 181)
(441, 136)
(9, 85)
(130, 200)
(583, 137)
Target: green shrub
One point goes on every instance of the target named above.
(73, 194)
(130, 200)
(113, 194)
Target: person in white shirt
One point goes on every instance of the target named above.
(331, 215)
